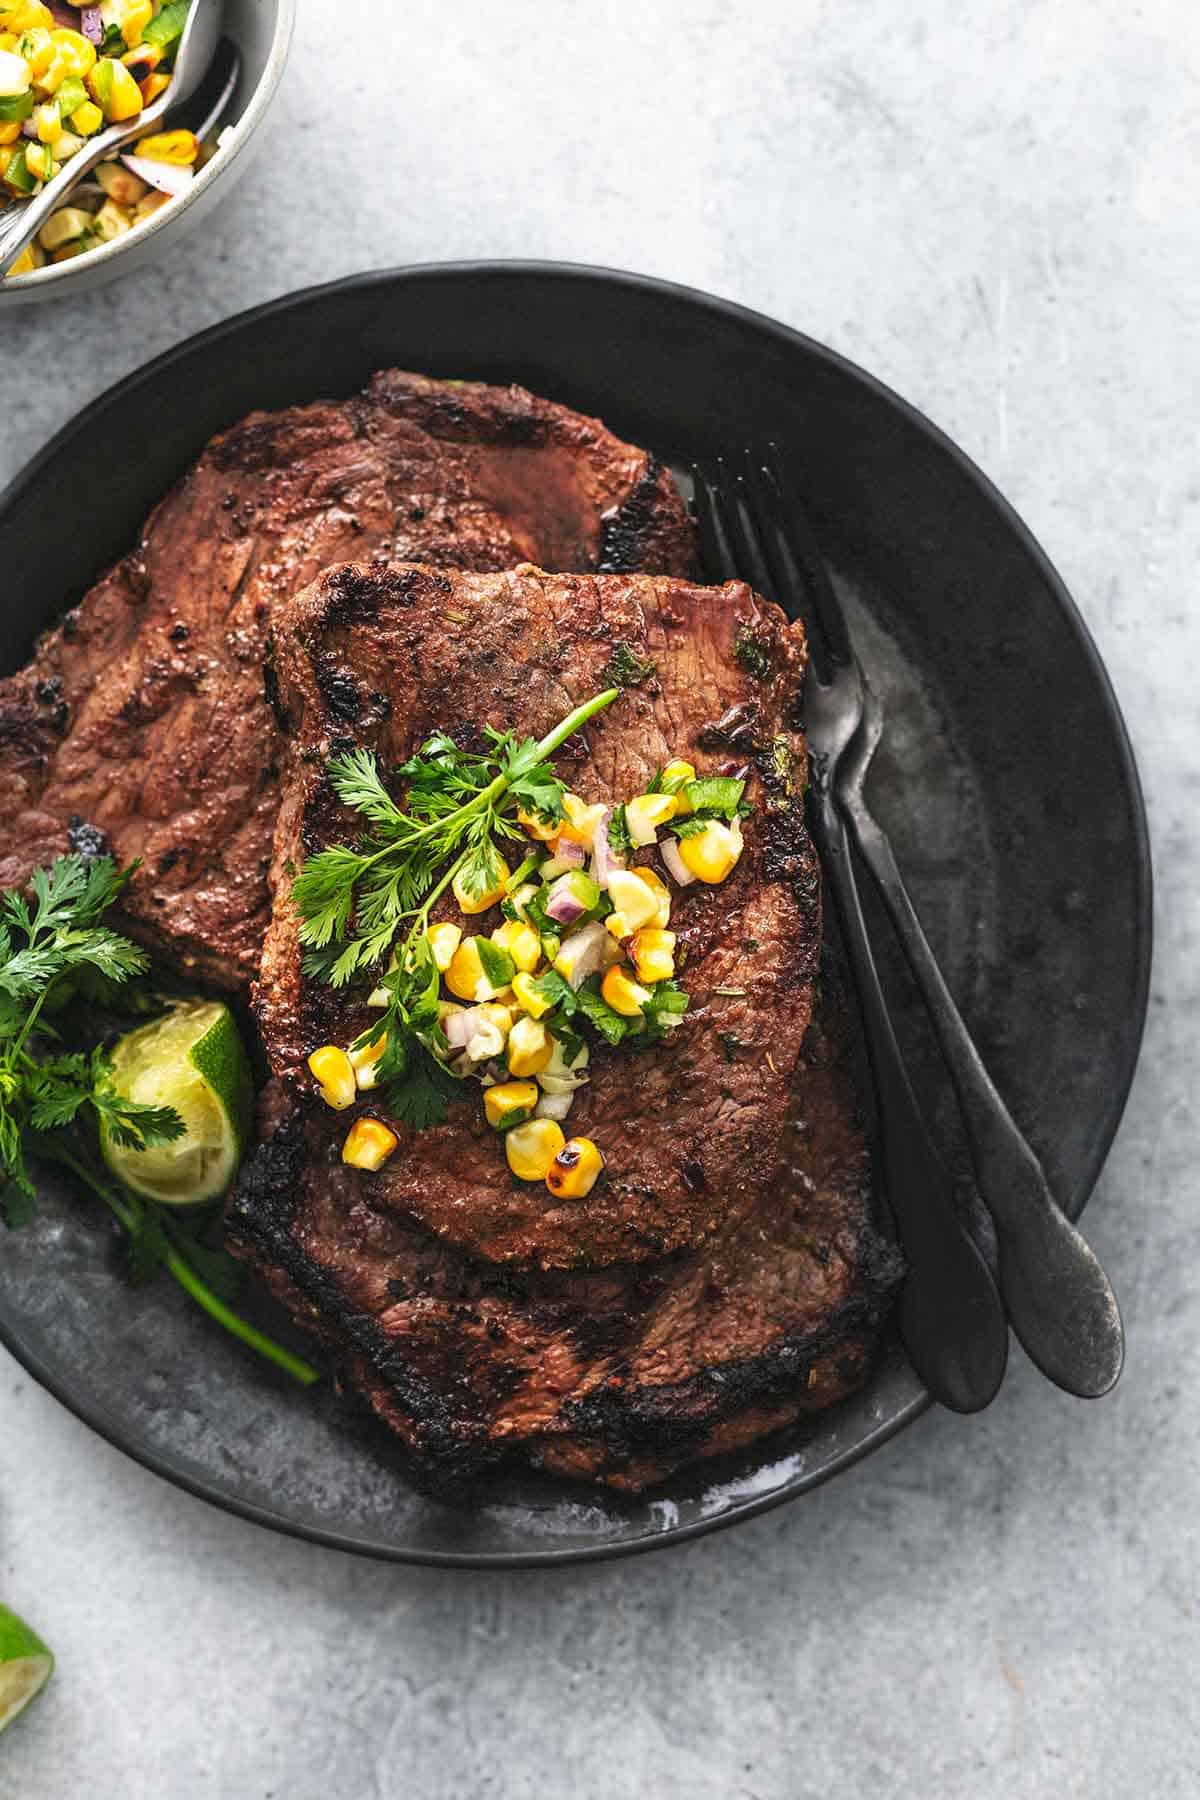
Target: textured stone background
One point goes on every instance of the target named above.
(993, 207)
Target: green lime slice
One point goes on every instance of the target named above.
(25, 1666)
(193, 1060)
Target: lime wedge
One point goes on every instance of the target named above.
(25, 1666)
(193, 1060)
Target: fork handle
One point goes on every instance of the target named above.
(949, 1313)
(1060, 1301)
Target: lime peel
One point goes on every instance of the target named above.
(26, 1665)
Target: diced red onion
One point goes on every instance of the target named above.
(29, 128)
(564, 906)
(604, 858)
(459, 1027)
(676, 867)
(567, 856)
(91, 24)
(168, 178)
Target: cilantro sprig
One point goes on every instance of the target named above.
(353, 899)
(55, 949)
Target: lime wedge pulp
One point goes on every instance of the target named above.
(191, 1059)
(25, 1666)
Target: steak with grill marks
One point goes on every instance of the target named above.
(692, 1130)
(142, 724)
(725, 1274)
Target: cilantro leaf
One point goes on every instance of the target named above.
(422, 1097)
(561, 995)
(619, 838)
(609, 1023)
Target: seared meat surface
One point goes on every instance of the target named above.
(143, 724)
(724, 1276)
(692, 1130)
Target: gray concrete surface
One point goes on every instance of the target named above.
(994, 208)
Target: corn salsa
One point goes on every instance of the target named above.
(60, 84)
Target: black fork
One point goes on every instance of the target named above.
(950, 1316)
(1060, 1301)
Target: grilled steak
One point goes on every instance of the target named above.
(142, 726)
(724, 1276)
(692, 1133)
(618, 1375)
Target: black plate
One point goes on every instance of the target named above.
(1006, 779)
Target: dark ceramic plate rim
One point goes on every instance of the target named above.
(117, 1435)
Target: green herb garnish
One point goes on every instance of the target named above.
(625, 668)
(719, 796)
(618, 831)
(753, 654)
(54, 950)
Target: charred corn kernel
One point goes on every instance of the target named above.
(528, 998)
(509, 1103)
(531, 1148)
(15, 76)
(153, 86)
(334, 1074)
(32, 257)
(37, 47)
(575, 1170)
(653, 954)
(530, 1047)
(73, 54)
(712, 854)
(522, 943)
(622, 993)
(112, 221)
(443, 941)
(365, 1062)
(369, 1143)
(48, 121)
(581, 819)
(113, 89)
(465, 977)
(39, 160)
(646, 812)
(87, 119)
(176, 147)
(143, 61)
(10, 131)
(537, 827)
(477, 903)
(632, 897)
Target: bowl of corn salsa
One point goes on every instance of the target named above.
(68, 72)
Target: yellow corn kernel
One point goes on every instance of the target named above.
(507, 1097)
(712, 854)
(112, 221)
(622, 993)
(365, 1062)
(32, 257)
(521, 942)
(130, 16)
(674, 778)
(632, 897)
(477, 903)
(120, 183)
(369, 1143)
(575, 1170)
(153, 86)
(465, 977)
(662, 894)
(37, 47)
(528, 998)
(8, 39)
(25, 15)
(143, 61)
(530, 1047)
(443, 941)
(646, 812)
(531, 1148)
(48, 121)
(87, 119)
(581, 819)
(39, 160)
(10, 131)
(537, 827)
(73, 54)
(653, 954)
(63, 227)
(334, 1074)
(179, 148)
(113, 89)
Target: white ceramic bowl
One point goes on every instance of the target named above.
(262, 31)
